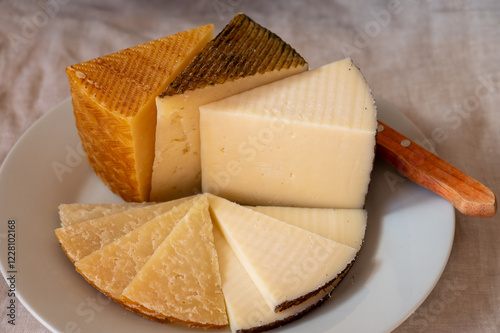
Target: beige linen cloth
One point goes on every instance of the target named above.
(438, 62)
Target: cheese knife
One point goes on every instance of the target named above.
(469, 196)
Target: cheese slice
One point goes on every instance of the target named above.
(346, 226)
(246, 308)
(286, 263)
(244, 55)
(181, 280)
(76, 212)
(80, 240)
(111, 268)
(307, 140)
(115, 110)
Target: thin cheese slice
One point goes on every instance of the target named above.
(246, 308)
(346, 226)
(111, 268)
(244, 55)
(307, 141)
(115, 110)
(74, 213)
(286, 263)
(181, 280)
(80, 240)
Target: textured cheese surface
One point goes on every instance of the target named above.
(307, 140)
(80, 240)
(246, 308)
(346, 226)
(244, 55)
(115, 111)
(75, 213)
(286, 263)
(111, 268)
(181, 280)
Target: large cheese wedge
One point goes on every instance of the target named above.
(244, 55)
(286, 263)
(307, 140)
(246, 308)
(81, 239)
(346, 226)
(115, 110)
(181, 280)
(111, 268)
(77, 212)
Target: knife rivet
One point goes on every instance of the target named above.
(380, 127)
(405, 143)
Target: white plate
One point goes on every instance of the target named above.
(408, 240)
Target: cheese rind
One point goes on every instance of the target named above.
(114, 105)
(286, 263)
(244, 55)
(307, 140)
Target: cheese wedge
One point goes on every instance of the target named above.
(181, 280)
(286, 263)
(80, 240)
(246, 308)
(74, 213)
(111, 268)
(115, 110)
(307, 140)
(244, 55)
(346, 226)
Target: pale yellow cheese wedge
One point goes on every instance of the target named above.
(307, 141)
(246, 308)
(74, 213)
(80, 240)
(244, 55)
(346, 226)
(181, 280)
(111, 268)
(115, 110)
(286, 263)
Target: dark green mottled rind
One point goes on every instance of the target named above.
(241, 49)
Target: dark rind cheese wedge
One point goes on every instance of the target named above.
(244, 55)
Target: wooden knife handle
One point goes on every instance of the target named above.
(426, 169)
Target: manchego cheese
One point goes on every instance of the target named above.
(247, 309)
(111, 268)
(75, 213)
(307, 141)
(346, 226)
(163, 262)
(287, 264)
(181, 280)
(244, 55)
(114, 105)
(81, 239)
